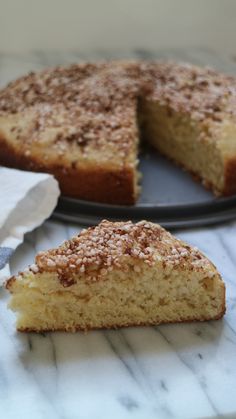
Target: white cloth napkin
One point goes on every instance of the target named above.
(26, 200)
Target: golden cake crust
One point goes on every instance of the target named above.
(111, 326)
(230, 177)
(81, 182)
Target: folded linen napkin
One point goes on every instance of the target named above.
(26, 200)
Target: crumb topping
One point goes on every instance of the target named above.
(93, 105)
(98, 88)
(85, 106)
(201, 92)
(98, 250)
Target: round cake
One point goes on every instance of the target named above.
(82, 123)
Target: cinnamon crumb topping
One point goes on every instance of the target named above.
(93, 105)
(201, 92)
(88, 107)
(98, 250)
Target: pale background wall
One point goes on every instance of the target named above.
(101, 24)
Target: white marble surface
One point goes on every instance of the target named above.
(170, 371)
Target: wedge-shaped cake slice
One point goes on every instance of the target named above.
(117, 274)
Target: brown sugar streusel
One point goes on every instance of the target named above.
(201, 92)
(62, 97)
(98, 250)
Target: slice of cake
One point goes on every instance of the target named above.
(113, 275)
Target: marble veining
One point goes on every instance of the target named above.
(170, 371)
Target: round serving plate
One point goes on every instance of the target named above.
(170, 197)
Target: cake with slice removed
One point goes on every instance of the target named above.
(81, 123)
(117, 274)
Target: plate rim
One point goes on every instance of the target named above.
(198, 208)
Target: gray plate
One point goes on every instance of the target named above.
(170, 196)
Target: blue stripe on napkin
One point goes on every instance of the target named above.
(5, 254)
